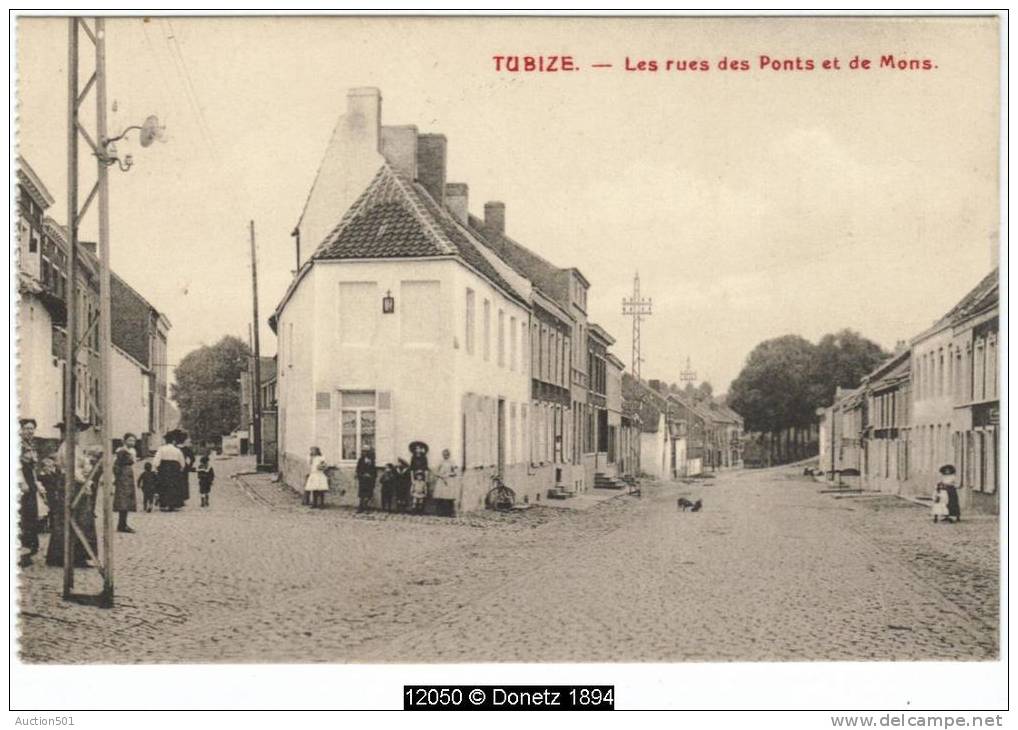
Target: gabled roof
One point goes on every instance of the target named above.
(541, 273)
(33, 184)
(894, 364)
(984, 295)
(396, 218)
(640, 399)
(601, 333)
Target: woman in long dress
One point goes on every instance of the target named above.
(949, 486)
(124, 498)
(317, 483)
(168, 464)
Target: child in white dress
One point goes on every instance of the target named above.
(317, 483)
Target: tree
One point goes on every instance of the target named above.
(705, 391)
(787, 378)
(774, 390)
(842, 359)
(207, 390)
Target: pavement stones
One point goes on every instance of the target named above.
(769, 570)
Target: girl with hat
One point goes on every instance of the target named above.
(419, 472)
(947, 489)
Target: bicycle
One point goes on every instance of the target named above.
(500, 497)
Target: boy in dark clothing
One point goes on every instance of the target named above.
(147, 482)
(389, 479)
(206, 475)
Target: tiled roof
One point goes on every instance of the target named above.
(396, 218)
(544, 275)
(985, 294)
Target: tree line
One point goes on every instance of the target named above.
(786, 379)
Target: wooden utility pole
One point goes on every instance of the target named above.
(256, 385)
(105, 393)
(70, 375)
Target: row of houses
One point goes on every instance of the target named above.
(680, 435)
(140, 400)
(415, 320)
(936, 401)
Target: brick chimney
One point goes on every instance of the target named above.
(494, 217)
(431, 165)
(364, 114)
(399, 147)
(456, 200)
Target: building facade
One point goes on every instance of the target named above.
(138, 331)
(935, 402)
(402, 327)
(975, 387)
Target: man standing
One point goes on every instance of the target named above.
(28, 512)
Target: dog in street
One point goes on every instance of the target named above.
(685, 504)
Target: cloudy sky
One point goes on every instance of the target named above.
(753, 204)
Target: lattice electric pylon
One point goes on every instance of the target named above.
(104, 152)
(688, 375)
(637, 308)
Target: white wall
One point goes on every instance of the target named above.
(39, 379)
(129, 405)
(654, 457)
(350, 162)
(932, 407)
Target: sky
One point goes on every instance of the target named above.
(753, 204)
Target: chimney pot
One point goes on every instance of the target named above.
(494, 216)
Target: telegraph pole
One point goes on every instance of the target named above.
(105, 339)
(637, 308)
(71, 354)
(256, 386)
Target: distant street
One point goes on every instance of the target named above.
(771, 569)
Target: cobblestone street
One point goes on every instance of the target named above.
(771, 569)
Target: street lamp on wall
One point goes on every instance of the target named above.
(388, 303)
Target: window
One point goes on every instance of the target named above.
(357, 419)
(358, 309)
(420, 318)
(487, 330)
(501, 338)
(468, 337)
(512, 344)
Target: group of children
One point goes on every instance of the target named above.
(404, 485)
(149, 484)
